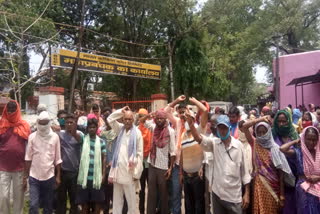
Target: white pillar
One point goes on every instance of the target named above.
(158, 101)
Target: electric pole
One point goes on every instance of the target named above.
(76, 63)
(170, 53)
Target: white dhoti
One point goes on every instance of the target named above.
(129, 191)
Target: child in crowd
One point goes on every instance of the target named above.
(92, 170)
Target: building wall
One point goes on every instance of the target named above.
(54, 103)
(294, 66)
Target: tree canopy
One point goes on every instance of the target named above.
(214, 48)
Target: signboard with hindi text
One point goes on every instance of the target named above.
(105, 65)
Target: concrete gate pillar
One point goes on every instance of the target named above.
(158, 101)
(53, 97)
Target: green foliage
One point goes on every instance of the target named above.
(20, 34)
(231, 53)
(296, 22)
(215, 48)
(190, 70)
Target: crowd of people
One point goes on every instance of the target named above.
(216, 162)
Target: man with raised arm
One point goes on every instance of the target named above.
(191, 162)
(177, 123)
(127, 160)
(229, 169)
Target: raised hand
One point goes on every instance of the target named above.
(181, 98)
(298, 142)
(147, 117)
(267, 119)
(126, 108)
(152, 115)
(193, 100)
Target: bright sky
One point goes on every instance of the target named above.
(261, 74)
(35, 61)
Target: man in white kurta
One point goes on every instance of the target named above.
(127, 170)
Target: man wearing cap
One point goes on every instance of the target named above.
(146, 135)
(229, 170)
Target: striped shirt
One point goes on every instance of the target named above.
(91, 163)
(192, 154)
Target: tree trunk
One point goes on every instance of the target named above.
(20, 67)
(292, 41)
(170, 54)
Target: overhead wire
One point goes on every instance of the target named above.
(87, 29)
(95, 51)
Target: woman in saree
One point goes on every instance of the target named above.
(271, 170)
(284, 132)
(304, 121)
(307, 158)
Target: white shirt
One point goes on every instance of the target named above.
(44, 155)
(124, 175)
(229, 169)
(247, 151)
(208, 160)
(162, 154)
(177, 125)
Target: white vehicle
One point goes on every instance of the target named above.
(221, 104)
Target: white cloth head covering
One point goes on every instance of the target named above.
(44, 115)
(41, 107)
(44, 132)
(277, 157)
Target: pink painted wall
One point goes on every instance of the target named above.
(294, 66)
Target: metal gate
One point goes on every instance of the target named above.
(134, 105)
